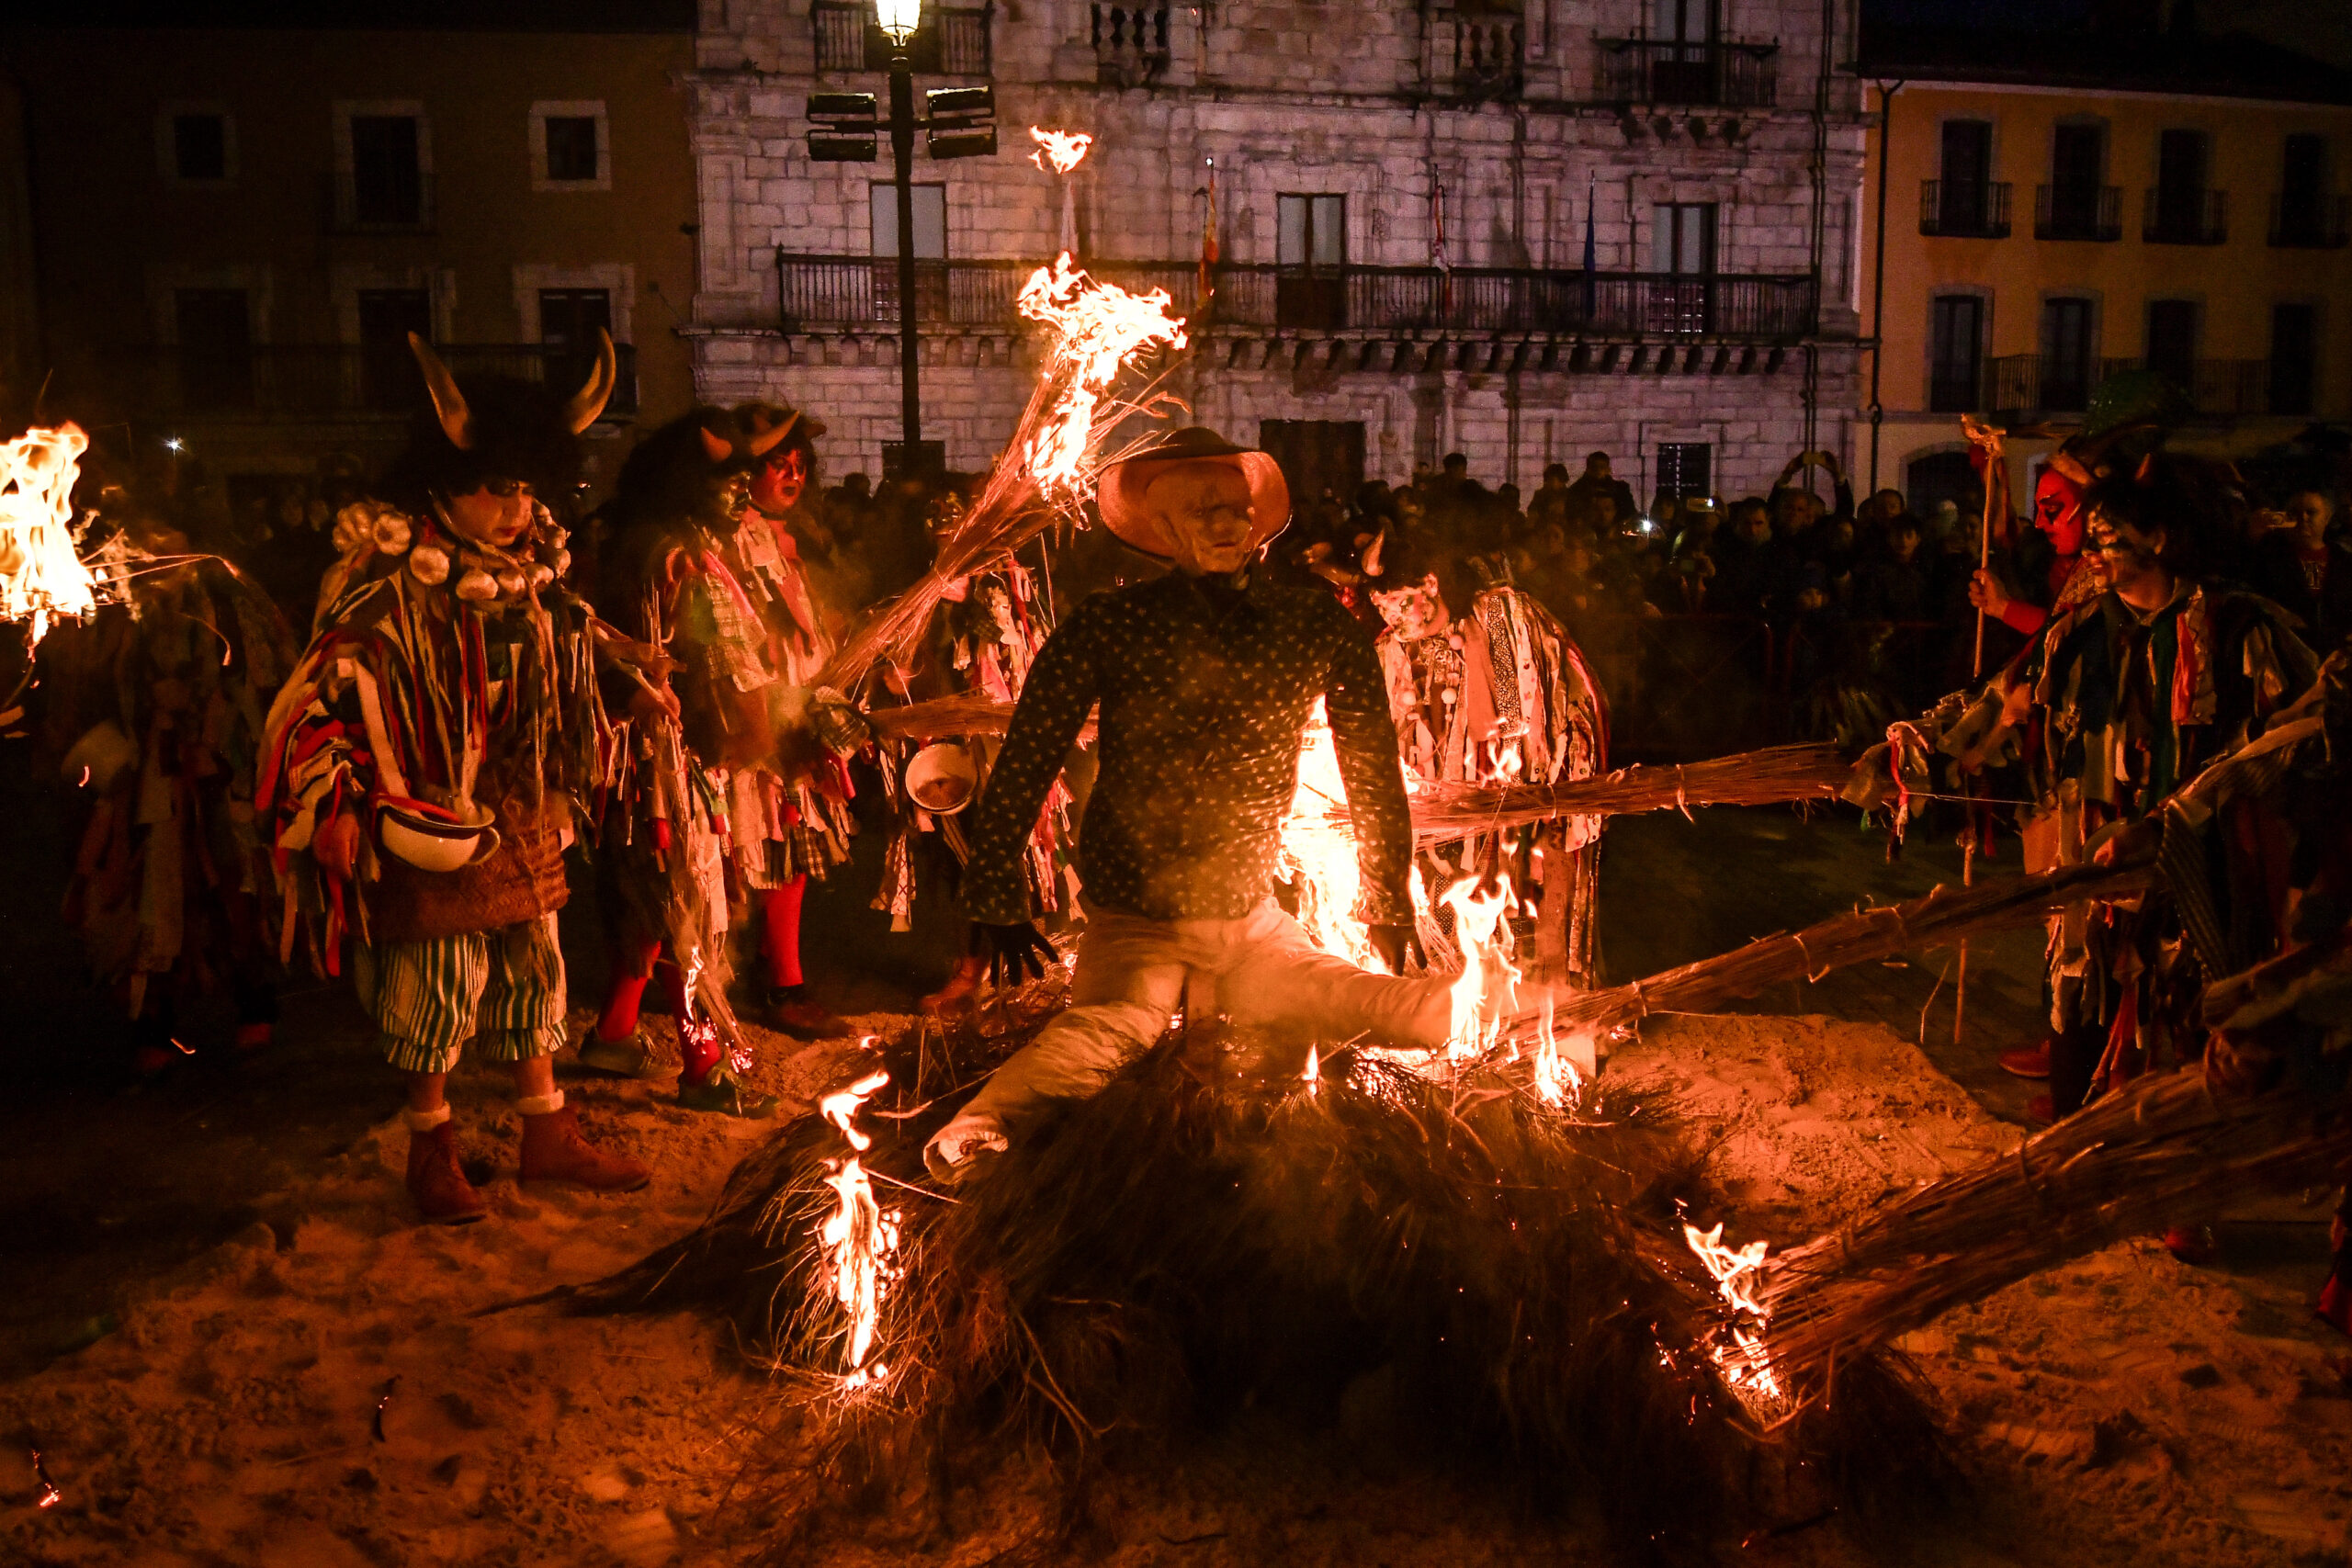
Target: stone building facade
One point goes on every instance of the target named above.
(1405, 197)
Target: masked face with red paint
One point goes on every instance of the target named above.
(777, 483)
(2058, 510)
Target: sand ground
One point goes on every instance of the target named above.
(319, 1390)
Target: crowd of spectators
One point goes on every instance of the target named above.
(1841, 614)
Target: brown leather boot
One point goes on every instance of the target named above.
(553, 1150)
(438, 1184)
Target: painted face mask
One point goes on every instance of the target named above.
(2058, 510)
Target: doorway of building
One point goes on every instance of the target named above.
(1314, 455)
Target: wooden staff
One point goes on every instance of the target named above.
(1989, 439)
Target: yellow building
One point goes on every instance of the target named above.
(2049, 210)
(234, 228)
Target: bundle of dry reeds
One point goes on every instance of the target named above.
(2164, 1151)
(1442, 811)
(1945, 916)
(1011, 508)
(941, 718)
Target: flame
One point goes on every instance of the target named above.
(41, 579)
(1096, 327)
(1737, 1273)
(1557, 1082)
(1320, 850)
(1313, 1075)
(1063, 150)
(1489, 984)
(860, 1238)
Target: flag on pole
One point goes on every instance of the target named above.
(1437, 258)
(1592, 194)
(1208, 235)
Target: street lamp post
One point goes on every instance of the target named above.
(957, 125)
(899, 19)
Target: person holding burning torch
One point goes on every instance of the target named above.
(1205, 680)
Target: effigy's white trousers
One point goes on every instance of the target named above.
(1132, 975)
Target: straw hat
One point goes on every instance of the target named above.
(1124, 484)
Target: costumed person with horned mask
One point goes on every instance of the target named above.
(698, 787)
(2115, 703)
(1205, 680)
(423, 763)
(160, 697)
(1496, 691)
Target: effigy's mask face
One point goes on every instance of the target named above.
(1414, 611)
(497, 514)
(1205, 508)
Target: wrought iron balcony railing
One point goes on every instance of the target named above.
(2032, 383)
(1964, 209)
(2321, 224)
(2185, 218)
(863, 291)
(2078, 212)
(950, 43)
(281, 380)
(1722, 73)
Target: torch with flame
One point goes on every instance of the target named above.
(41, 577)
(1060, 150)
(860, 1238)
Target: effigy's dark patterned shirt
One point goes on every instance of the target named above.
(1205, 691)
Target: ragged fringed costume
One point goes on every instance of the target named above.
(2096, 722)
(733, 796)
(159, 706)
(1500, 694)
(425, 765)
(978, 644)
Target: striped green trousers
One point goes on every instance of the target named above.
(432, 996)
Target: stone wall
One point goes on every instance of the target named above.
(1347, 97)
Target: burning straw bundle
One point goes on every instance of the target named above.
(2165, 1151)
(1045, 468)
(1200, 1236)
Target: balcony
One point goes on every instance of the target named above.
(302, 380)
(2185, 218)
(862, 292)
(2078, 212)
(1963, 210)
(399, 203)
(1130, 44)
(1488, 56)
(2217, 389)
(948, 43)
(2035, 383)
(1721, 75)
(2318, 224)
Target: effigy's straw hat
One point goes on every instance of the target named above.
(1121, 493)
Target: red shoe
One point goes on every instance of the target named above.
(2193, 1245)
(553, 1150)
(803, 1020)
(2040, 1108)
(443, 1196)
(2033, 1062)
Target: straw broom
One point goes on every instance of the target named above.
(1014, 506)
(2164, 1151)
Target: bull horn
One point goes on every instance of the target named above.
(765, 442)
(448, 403)
(589, 402)
(717, 447)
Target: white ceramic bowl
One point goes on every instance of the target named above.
(431, 838)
